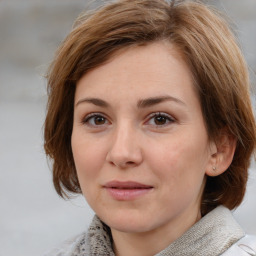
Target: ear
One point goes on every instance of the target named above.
(222, 152)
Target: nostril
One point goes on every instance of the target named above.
(125, 164)
(130, 163)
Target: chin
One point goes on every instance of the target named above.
(127, 223)
(130, 228)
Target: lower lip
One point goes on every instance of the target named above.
(127, 194)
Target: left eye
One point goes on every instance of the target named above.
(95, 120)
(160, 119)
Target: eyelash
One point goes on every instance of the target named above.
(168, 119)
(92, 116)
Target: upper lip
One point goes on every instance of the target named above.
(126, 185)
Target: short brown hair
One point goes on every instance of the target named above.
(210, 49)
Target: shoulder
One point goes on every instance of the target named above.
(244, 247)
(71, 247)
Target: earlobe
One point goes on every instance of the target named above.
(222, 154)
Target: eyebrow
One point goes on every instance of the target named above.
(143, 103)
(95, 101)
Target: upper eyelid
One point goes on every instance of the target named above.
(93, 114)
(160, 114)
(170, 120)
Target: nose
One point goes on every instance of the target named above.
(125, 150)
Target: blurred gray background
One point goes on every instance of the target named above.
(32, 217)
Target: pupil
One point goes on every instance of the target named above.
(99, 120)
(160, 120)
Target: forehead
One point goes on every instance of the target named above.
(148, 70)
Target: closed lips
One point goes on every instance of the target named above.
(126, 185)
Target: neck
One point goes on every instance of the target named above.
(151, 242)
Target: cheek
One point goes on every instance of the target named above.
(88, 163)
(88, 159)
(180, 162)
(180, 176)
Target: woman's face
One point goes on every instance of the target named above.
(139, 141)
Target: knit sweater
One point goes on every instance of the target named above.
(212, 235)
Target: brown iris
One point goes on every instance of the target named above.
(160, 120)
(99, 120)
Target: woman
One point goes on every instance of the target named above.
(149, 116)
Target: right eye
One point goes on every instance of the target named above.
(95, 119)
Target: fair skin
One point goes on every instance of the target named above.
(141, 148)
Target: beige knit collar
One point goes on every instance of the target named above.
(210, 236)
